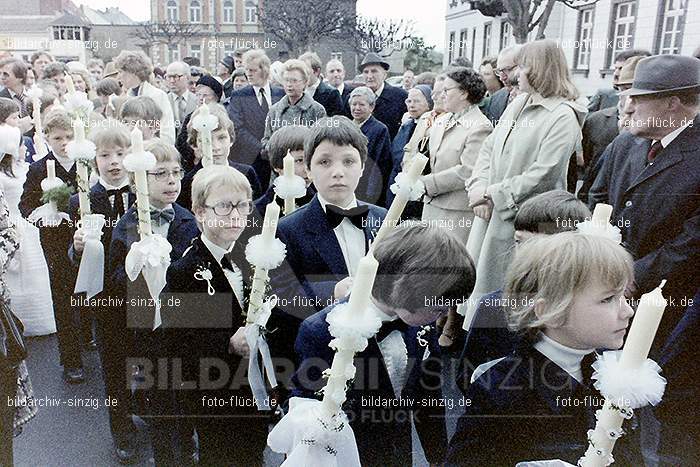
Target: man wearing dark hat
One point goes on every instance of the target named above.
(224, 69)
(391, 100)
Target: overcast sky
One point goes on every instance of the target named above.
(429, 17)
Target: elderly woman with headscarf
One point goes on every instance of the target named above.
(419, 102)
(455, 140)
(373, 184)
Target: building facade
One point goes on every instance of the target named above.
(590, 36)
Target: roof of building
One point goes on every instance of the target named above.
(25, 24)
(69, 19)
(109, 16)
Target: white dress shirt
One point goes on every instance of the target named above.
(235, 277)
(66, 162)
(268, 96)
(379, 91)
(350, 238)
(311, 90)
(161, 229)
(394, 352)
(566, 358)
(666, 140)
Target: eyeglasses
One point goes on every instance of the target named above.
(225, 208)
(293, 80)
(508, 69)
(173, 76)
(163, 175)
(445, 89)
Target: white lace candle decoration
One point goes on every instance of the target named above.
(77, 103)
(289, 186)
(54, 189)
(629, 383)
(205, 123)
(264, 252)
(35, 94)
(407, 187)
(82, 152)
(151, 254)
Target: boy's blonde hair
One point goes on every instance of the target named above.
(163, 151)
(57, 119)
(142, 108)
(224, 122)
(110, 133)
(556, 268)
(215, 176)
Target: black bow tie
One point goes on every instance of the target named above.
(587, 368)
(117, 191)
(389, 326)
(160, 217)
(358, 216)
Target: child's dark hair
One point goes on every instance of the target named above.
(7, 108)
(340, 131)
(551, 212)
(419, 263)
(287, 138)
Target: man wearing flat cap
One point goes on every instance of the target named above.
(651, 177)
(391, 100)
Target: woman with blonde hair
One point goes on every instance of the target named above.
(528, 153)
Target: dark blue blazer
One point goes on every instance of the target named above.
(383, 434)
(488, 337)
(182, 230)
(314, 262)
(400, 141)
(345, 96)
(185, 198)
(497, 105)
(329, 98)
(658, 210)
(99, 204)
(390, 107)
(522, 396)
(373, 183)
(29, 144)
(249, 121)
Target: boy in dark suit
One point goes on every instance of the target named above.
(111, 197)
(401, 364)
(179, 227)
(207, 325)
(55, 241)
(221, 140)
(323, 93)
(326, 238)
(286, 139)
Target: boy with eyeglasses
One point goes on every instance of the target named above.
(205, 330)
(179, 227)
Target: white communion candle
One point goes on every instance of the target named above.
(288, 161)
(602, 213)
(142, 202)
(362, 284)
(415, 170)
(50, 169)
(207, 151)
(69, 84)
(272, 215)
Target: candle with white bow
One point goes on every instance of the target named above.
(403, 196)
(205, 132)
(69, 84)
(602, 213)
(83, 177)
(257, 292)
(633, 358)
(141, 180)
(288, 173)
(357, 310)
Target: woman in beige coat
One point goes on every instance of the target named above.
(454, 144)
(528, 153)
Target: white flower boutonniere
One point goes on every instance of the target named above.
(204, 274)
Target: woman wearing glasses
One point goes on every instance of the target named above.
(454, 144)
(204, 326)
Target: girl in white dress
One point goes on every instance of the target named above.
(27, 275)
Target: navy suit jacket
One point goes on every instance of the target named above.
(182, 230)
(383, 434)
(497, 105)
(329, 98)
(267, 197)
(657, 208)
(345, 96)
(249, 120)
(314, 262)
(373, 183)
(185, 198)
(522, 395)
(390, 107)
(400, 141)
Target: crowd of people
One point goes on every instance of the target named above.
(511, 144)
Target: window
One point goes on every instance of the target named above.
(462, 42)
(585, 33)
(451, 47)
(473, 44)
(196, 51)
(174, 53)
(195, 11)
(251, 11)
(672, 21)
(68, 33)
(505, 35)
(228, 49)
(337, 56)
(228, 11)
(624, 15)
(172, 11)
(486, 49)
